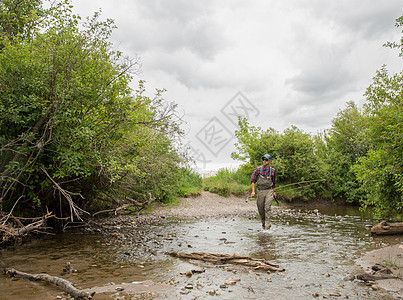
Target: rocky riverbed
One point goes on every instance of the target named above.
(127, 256)
(210, 206)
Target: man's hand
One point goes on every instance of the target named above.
(252, 194)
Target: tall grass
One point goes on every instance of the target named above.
(227, 182)
(190, 184)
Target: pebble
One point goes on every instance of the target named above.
(232, 281)
(212, 292)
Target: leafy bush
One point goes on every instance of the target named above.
(227, 182)
(72, 130)
(190, 183)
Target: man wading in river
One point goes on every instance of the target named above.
(264, 177)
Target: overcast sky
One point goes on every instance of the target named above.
(278, 63)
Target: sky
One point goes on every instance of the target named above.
(276, 63)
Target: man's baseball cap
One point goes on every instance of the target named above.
(266, 156)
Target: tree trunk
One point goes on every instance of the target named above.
(385, 228)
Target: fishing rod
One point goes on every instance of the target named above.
(295, 183)
(275, 198)
(300, 182)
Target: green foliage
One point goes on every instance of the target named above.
(18, 19)
(293, 154)
(381, 170)
(345, 145)
(190, 183)
(227, 182)
(71, 125)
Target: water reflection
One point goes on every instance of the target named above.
(266, 245)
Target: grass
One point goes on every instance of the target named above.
(391, 263)
(237, 182)
(190, 184)
(227, 182)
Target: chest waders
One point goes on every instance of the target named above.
(264, 199)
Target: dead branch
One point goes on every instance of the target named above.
(370, 277)
(9, 233)
(74, 209)
(11, 211)
(142, 205)
(112, 210)
(257, 264)
(63, 283)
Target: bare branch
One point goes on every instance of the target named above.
(74, 209)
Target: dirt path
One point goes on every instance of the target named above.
(208, 205)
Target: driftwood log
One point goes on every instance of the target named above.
(373, 277)
(65, 284)
(255, 263)
(385, 228)
(133, 202)
(10, 233)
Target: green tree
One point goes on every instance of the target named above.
(18, 18)
(381, 170)
(293, 152)
(345, 144)
(71, 127)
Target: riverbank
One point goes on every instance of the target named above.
(386, 262)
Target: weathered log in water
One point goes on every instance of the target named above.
(257, 264)
(373, 277)
(385, 228)
(10, 233)
(63, 283)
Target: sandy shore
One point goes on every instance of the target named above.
(390, 257)
(209, 205)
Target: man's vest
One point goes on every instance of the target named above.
(264, 183)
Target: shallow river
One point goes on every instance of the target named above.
(316, 248)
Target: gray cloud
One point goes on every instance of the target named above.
(323, 77)
(171, 26)
(299, 61)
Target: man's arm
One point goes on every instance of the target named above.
(252, 182)
(253, 190)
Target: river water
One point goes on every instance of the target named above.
(317, 249)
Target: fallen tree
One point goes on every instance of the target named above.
(255, 263)
(385, 228)
(10, 233)
(65, 284)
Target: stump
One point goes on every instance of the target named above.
(385, 228)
